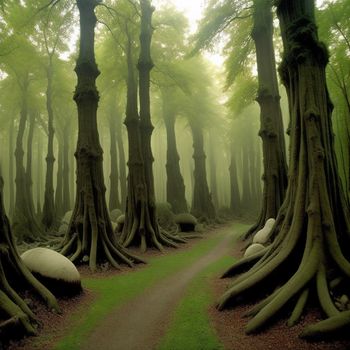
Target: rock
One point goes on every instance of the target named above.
(344, 299)
(262, 235)
(253, 249)
(85, 258)
(63, 229)
(114, 214)
(186, 222)
(120, 224)
(54, 270)
(67, 216)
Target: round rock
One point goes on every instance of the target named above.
(54, 270)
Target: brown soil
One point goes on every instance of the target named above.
(142, 322)
(229, 326)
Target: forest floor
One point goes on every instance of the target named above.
(169, 304)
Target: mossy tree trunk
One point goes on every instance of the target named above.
(13, 277)
(24, 222)
(202, 205)
(121, 162)
(311, 240)
(114, 201)
(141, 227)
(175, 187)
(66, 203)
(48, 218)
(90, 230)
(271, 123)
(246, 200)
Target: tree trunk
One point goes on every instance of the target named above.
(235, 202)
(212, 167)
(141, 227)
(175, 187)
(48, 218)
(271, 124)
(202, 205)
(13, 272)
(246, 200)
(310, 248)
(59, 183)
(114, 202)
(24, 223)
(90, 232)
(29, 176)
(39, 177)
(122, 163)
(66, 202)
(11, 175)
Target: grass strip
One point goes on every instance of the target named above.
(190, 328)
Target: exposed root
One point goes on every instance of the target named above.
(299, 308)
(328, 326)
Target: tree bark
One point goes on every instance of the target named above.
(175, 187)
(90, 231)
(202, 205)
(310, 239)
(48, 218)
(122, 163)
(66, 202)
(59, 182)
(271, 123)
(235, 201)
(11, 165)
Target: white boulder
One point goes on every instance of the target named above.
(253, 249)
(262, 235)
(67, 216)
(53, 269)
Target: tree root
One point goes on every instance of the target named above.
(327, 326)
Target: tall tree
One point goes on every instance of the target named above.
(141, 227)
(310, 240)
(90, 230)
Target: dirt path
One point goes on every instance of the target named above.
(141, 323)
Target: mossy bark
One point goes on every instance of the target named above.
(175, 187)
(202, 204)
(90, 231)
(141, 227)
(11, 167)
(311, 236)
(271, 123)
(13, 276)
(48, 218)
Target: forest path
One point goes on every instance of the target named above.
(142, 322)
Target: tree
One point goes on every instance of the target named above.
(13, 276)
(309, 255)
(141, 227)
(235, 18)
(90, 230)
